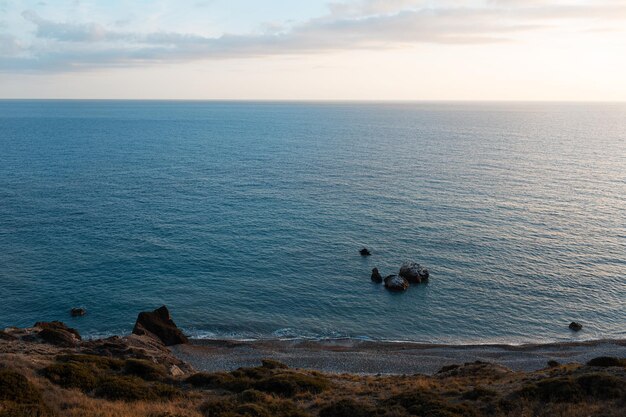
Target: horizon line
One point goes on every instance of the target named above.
(327, 100)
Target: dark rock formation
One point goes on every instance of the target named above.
(575, 326)
(365, 252)
(58, 334)
(159, 324)
(78, 312)
(376, 277)
(6, 336)
(414, 272)
(396, 283)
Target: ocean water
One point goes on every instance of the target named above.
(246, 218)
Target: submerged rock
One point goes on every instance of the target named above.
(414, 272)
(396, 283)
(365, 252)
(376, 277)
(575, 326)
(159, 325)
(78, 312)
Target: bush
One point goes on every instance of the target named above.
(220, 380)
(479, 393)
(131, 388)
(602, 386)
(72, 375)
(553, 364)
(145, 370)
(252, 373)
(18, 397)
(448, 368)
(428, 404)
(218, 408)
(252, 396)
(252, 410)
(98, 362)
(347, 408)
(288, 385)
(553, 390)
(273, 364)
(607, 361)
(125, 388)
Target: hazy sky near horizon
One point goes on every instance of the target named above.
(314, 49)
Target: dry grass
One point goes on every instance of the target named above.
(81, 385)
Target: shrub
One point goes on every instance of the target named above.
(131, 388)
(252, 396)
(252, 410)
(602, 386)
(252, 373)
(220, 380)
(218, 408)
(99, 362)
(18, 397)
(145, 370)
(553, 364)
(347, 408)
(448, 368)
(288, 385)
(72, 375)
(479, 393)
(607, 361)
(553, 390)
(125, 388)
(273, 364)
(428, 404)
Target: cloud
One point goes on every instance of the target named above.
(364, 24)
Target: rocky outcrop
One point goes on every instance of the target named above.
(414, 272)
(365, 252)
(159, 325)
(396, 283)
(78, 312)
(575, 326)
(137, 347)
(376, 277)
(58, 334)
(6, 336)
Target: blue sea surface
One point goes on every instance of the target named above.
(246, 218)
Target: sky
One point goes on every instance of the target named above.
(537, 50)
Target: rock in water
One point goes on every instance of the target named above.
(159, 325)
(396, 283)
(414, 272)
(78, 312)
(376, 277)
(365, 252)
(575, 326)
(58, 334)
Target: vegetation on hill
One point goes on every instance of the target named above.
(89, 385)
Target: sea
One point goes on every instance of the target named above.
(246, 218)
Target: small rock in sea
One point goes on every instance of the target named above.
(376, 277)
(575, 326)
(159, 324)
(365, 252)
(414, 272)
(396, 283)
(78, 312)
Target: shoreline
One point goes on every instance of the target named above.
(392, 358)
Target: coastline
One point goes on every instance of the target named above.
(158, 371)
(391, 358)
